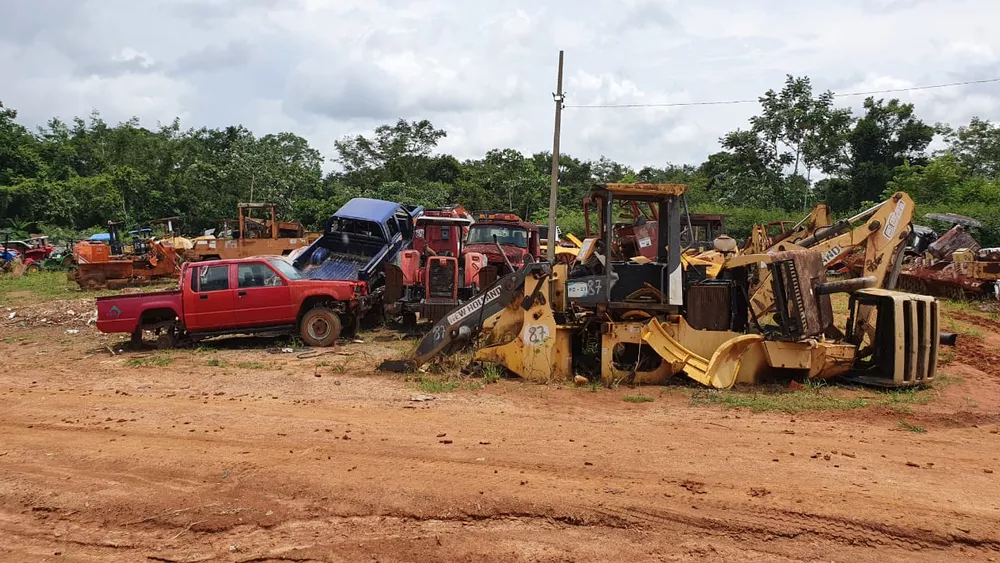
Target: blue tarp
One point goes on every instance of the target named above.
(102, 237)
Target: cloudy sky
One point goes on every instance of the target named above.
(485, 70)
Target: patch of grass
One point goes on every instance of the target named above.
(340, 368)
(811, 398)
(637, 399)
(428, 385)
(52, 286)
(912, 427)
(452, 364)
(35, 287)
(323, 364)
(492, 373)
(250, 365)
(946, 357)
(19, 338)
(840, 302)
(970, 307)
(157, 361)
(594, 386)
(964, 329)
(216, 363)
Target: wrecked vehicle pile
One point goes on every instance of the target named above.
(642, 321)
(953, 265)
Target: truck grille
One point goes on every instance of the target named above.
(904, 350)
(920, 341)
(441, 277)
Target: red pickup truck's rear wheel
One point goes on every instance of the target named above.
(320, 327)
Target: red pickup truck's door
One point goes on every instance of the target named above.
(263, 298)
(208, 305)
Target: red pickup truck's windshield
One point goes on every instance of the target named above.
(287, 269)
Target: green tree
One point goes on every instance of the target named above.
(976, 146)
(400, 153)
(888, 135)
(18, 149)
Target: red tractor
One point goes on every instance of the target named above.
(438, 273)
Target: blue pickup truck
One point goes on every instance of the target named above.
(359, 240)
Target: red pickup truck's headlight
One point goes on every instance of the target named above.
(357, 290)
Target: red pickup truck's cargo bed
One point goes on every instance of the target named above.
(120, 313)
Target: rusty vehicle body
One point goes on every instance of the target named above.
(100, 265)
(954, 265)
(247, 236)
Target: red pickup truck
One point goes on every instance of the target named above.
(239, 296)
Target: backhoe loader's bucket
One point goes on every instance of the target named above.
(720, 371)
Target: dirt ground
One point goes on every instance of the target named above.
(232, 453)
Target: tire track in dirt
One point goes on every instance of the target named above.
(747, 525)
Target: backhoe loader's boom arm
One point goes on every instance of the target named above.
(883, 235)
(462, 324)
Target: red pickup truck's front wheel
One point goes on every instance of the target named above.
(320, 327)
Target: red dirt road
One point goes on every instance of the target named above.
(286, 459)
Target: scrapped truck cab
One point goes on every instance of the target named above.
(241, 296)
(507, 242)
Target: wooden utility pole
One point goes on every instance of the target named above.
(554, 192)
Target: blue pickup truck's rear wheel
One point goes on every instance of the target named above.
(320, 327)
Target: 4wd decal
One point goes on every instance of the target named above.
(892, 222)
(831, 254)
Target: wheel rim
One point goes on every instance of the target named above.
(319, 329)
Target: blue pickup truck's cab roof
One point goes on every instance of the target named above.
(368, 209)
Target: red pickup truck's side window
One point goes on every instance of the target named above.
(256, 274)
(210, 278)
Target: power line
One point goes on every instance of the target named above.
(734, 102)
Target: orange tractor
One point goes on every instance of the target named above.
(111, 265)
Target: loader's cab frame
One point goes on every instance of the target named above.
(620, 279)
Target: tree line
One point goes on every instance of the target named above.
(69, 179)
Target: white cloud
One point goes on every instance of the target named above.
(485, 71)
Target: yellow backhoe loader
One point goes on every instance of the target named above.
(623, 321)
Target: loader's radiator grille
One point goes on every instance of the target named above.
(709, 307)
(441, 279)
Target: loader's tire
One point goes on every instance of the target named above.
(33, 268)
(320, 327)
